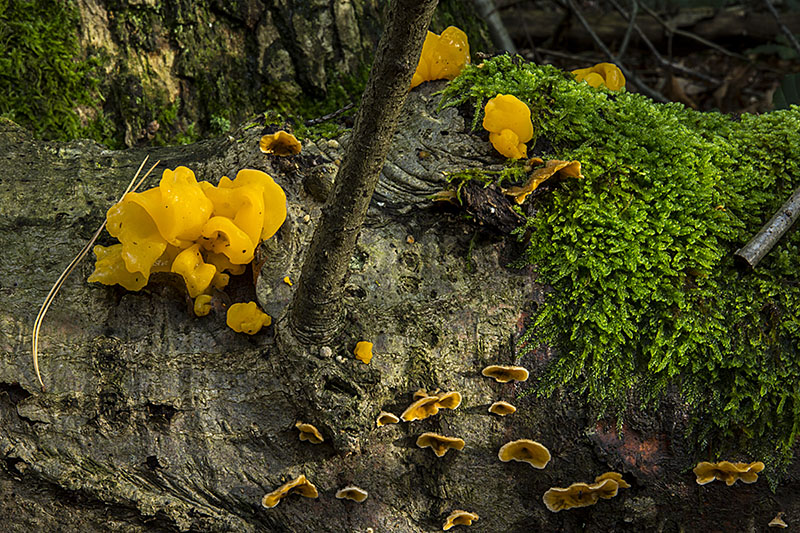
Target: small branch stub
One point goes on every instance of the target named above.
(751, 253)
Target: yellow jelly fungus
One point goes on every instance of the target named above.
(274, 198)
(222, 236)
(220, 280)
(247, 318)
(109, 269)
(243, 205)
(508, 120)
(224, 264)
(202, 305)
(607, 74)
(280, 143)
(363, 351)
(132, 225)
(196, 273)
(287, 281)
(443, 56)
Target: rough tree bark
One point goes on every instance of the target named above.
(316, 311)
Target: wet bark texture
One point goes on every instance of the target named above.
(155, 420)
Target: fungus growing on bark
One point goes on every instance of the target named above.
(202, 305)
(778, 521)
(504, 374)
(196, 273)
(616, 476)
(421, 409)
(363, 351)
(352, 493)
(110, 269)
(570, 169)
(443, 56)
(280, 143)
(502, 408)
(439, 443)
(459, 518)
(579, 495)
(508, 120)
(247, 318)
(385, 418)
(525, 450)
(287, 281)
(728, 472)
(449, 400)
(607, 74)
(309, 433)
(300, 486)
(420, 393)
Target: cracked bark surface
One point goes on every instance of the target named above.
(155, 420)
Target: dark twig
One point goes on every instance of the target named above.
(652, 93)
(329, 116)
(786, 31)
(752, 252)
(497, 29)
(689, 35)
(631, 25)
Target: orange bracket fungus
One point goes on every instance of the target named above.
(508, 120)
(309, 433)
(504, 374)
(363, 351)
(385, 418)
(570, 169)
(300, 486)
(443, 56)
(579, 495)
(525, 450)
(352, 493)
(778, 521)
(727, 472)
(459, 518)
(616, 476)
(280, 143)
(502, 408)
(606, 74)
(247, 318)
(421, 393)
(439, 443)
(427, 406)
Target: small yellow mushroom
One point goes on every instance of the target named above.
(247, 318)
(280, 143)
(352, 493)
(202, 305)
(778, 521)
(525, 450)
(386, 418)
(309, 433)
(439, 443)
(502, 408)
(459, 518)
(363, 351)
(300, 486)
(504, 374)
(421, 409)
(508, 119)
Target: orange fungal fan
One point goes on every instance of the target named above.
(605, 74)
(443, 56)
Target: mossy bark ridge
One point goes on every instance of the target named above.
(316, 312)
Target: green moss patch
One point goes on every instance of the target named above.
(645, 294)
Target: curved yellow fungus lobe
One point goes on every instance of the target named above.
(202, 305)
(602, 74)
(299, 485)
(443, 56)
(459, 518)
(247, 318)
(728, 472)
(280, 143)
(508, 120)
(579, 495)
(191, 228)
(363, 351)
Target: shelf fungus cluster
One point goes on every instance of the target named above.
(605, 487)
(502, 408)
(525, 450)
(427, 406)
(459, 518)
(728, 472)
(504, 374)
(299, 485)
(439, 443)
(309, 433)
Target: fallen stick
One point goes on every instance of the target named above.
(752, 252)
